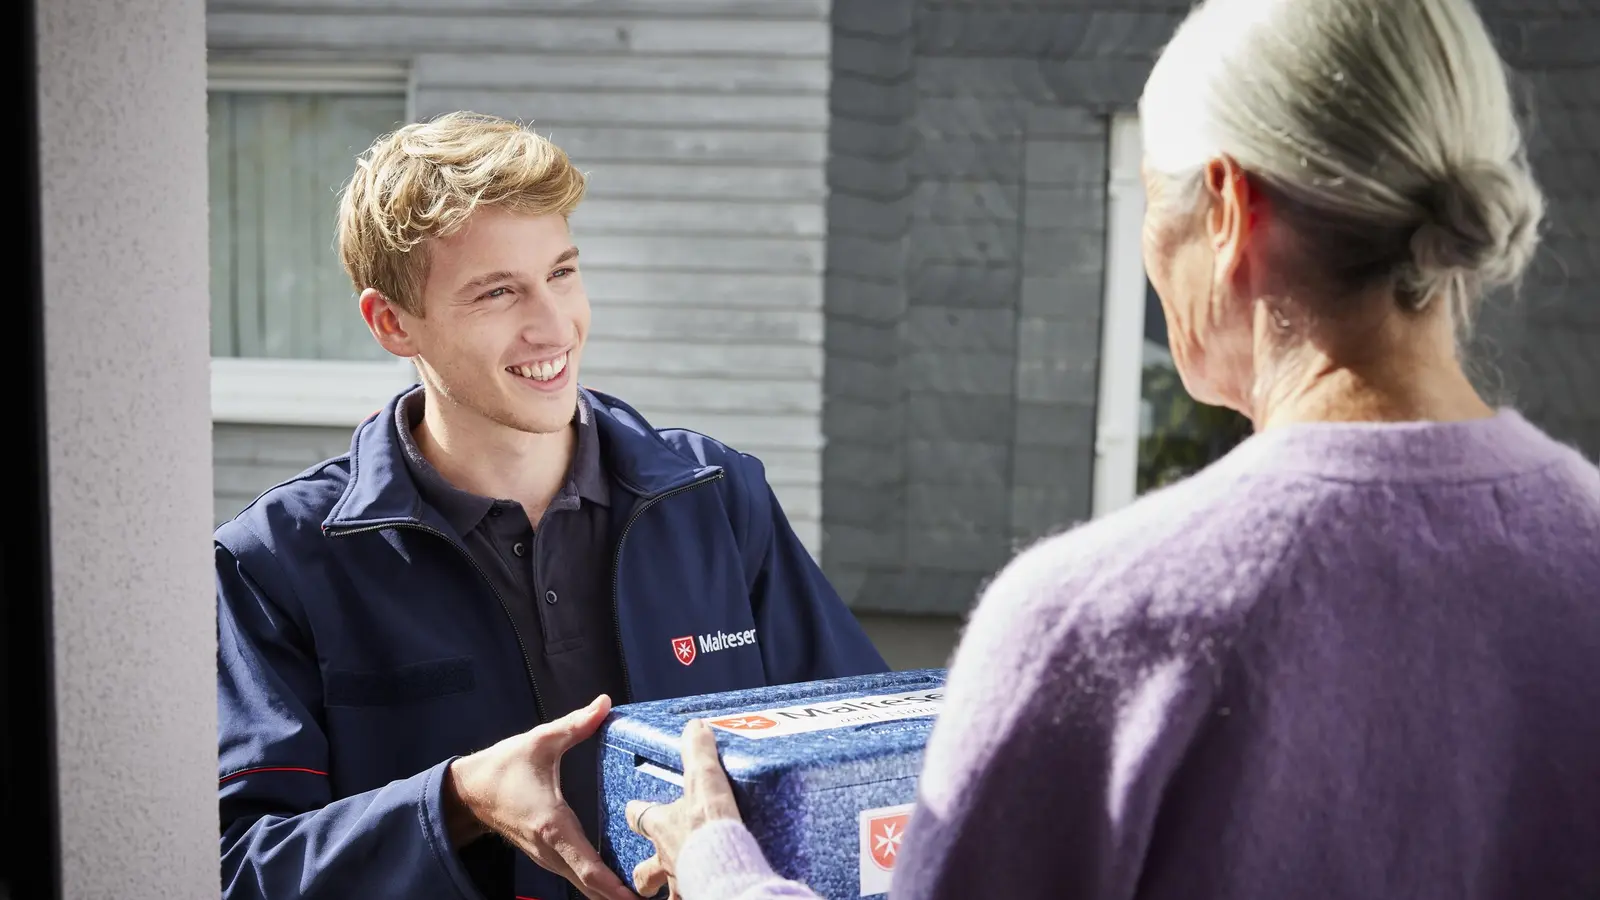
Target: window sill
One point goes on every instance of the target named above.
(303, 392)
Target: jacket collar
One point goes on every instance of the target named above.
(381, 491)
(636, 456)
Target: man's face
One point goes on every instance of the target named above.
(505, 320)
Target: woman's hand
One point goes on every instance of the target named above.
(707, 796)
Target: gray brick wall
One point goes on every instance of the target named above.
(966, 249)
(1547, 342)
(865, 295)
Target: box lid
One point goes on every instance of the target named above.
(839, 731)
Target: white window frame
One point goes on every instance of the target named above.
(294, 391)
(1119, 409)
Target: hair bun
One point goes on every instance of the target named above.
(1481, 221)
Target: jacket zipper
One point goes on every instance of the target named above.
(616, 574)
(527, 662)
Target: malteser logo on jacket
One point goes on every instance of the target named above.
(684, 647)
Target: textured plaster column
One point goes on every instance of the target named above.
(123, 205)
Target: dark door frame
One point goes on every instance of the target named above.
(32, 867)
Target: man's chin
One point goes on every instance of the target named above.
(544, 415)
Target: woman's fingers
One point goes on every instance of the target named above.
(705, 782)
(634, 813)
(707, 795)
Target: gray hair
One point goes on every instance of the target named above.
(1384, 129)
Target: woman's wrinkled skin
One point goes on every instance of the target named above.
(1253, 327)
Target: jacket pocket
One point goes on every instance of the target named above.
(405, 684)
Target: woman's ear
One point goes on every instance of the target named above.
(1231, 223)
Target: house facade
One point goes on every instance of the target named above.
(702, 127)
(889, 246)
(995, 370)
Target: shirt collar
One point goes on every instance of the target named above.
(588, 475)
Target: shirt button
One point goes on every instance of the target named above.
(550, 597)
(518, 549)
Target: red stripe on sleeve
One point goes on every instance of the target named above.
(227, 778)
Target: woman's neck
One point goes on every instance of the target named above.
(1382, 366)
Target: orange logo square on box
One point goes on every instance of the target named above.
(884, 836)
(745, 723)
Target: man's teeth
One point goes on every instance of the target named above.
(543, 371)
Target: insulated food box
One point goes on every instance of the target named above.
(825, 772)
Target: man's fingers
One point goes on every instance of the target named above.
(624, 894)
(591, 876)
(603, 884)
(551, 862)
(649, 877)
(561, 735)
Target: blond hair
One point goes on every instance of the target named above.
(424, 180)
(1384, 128)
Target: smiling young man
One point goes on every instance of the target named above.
(418, 639)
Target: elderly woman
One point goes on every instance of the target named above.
(1356, 658)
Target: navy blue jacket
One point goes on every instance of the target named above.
(359, 650)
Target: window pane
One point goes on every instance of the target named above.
(277, 162)
(1177, 436)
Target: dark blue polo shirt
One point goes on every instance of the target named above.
(554, 580)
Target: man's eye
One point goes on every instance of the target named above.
(497, 293)
(563, 272)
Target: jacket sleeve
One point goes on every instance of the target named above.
(285, 831)
(810, 633)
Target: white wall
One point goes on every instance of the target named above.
(702, 125)
(122, 149)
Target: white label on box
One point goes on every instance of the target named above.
(826, 714)
(883, 831)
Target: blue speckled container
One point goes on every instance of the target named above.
(824, 772)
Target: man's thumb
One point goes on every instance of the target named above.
(575, 727)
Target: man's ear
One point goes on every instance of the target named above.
(387, 322)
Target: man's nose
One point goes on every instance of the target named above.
(541, 320)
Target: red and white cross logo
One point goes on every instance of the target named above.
(683, 648)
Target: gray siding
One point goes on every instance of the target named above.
(966, 261)
(702, 126)
(248, 459)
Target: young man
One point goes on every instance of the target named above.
(418, 639)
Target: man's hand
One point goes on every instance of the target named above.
(707, 796)
(514, 790)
